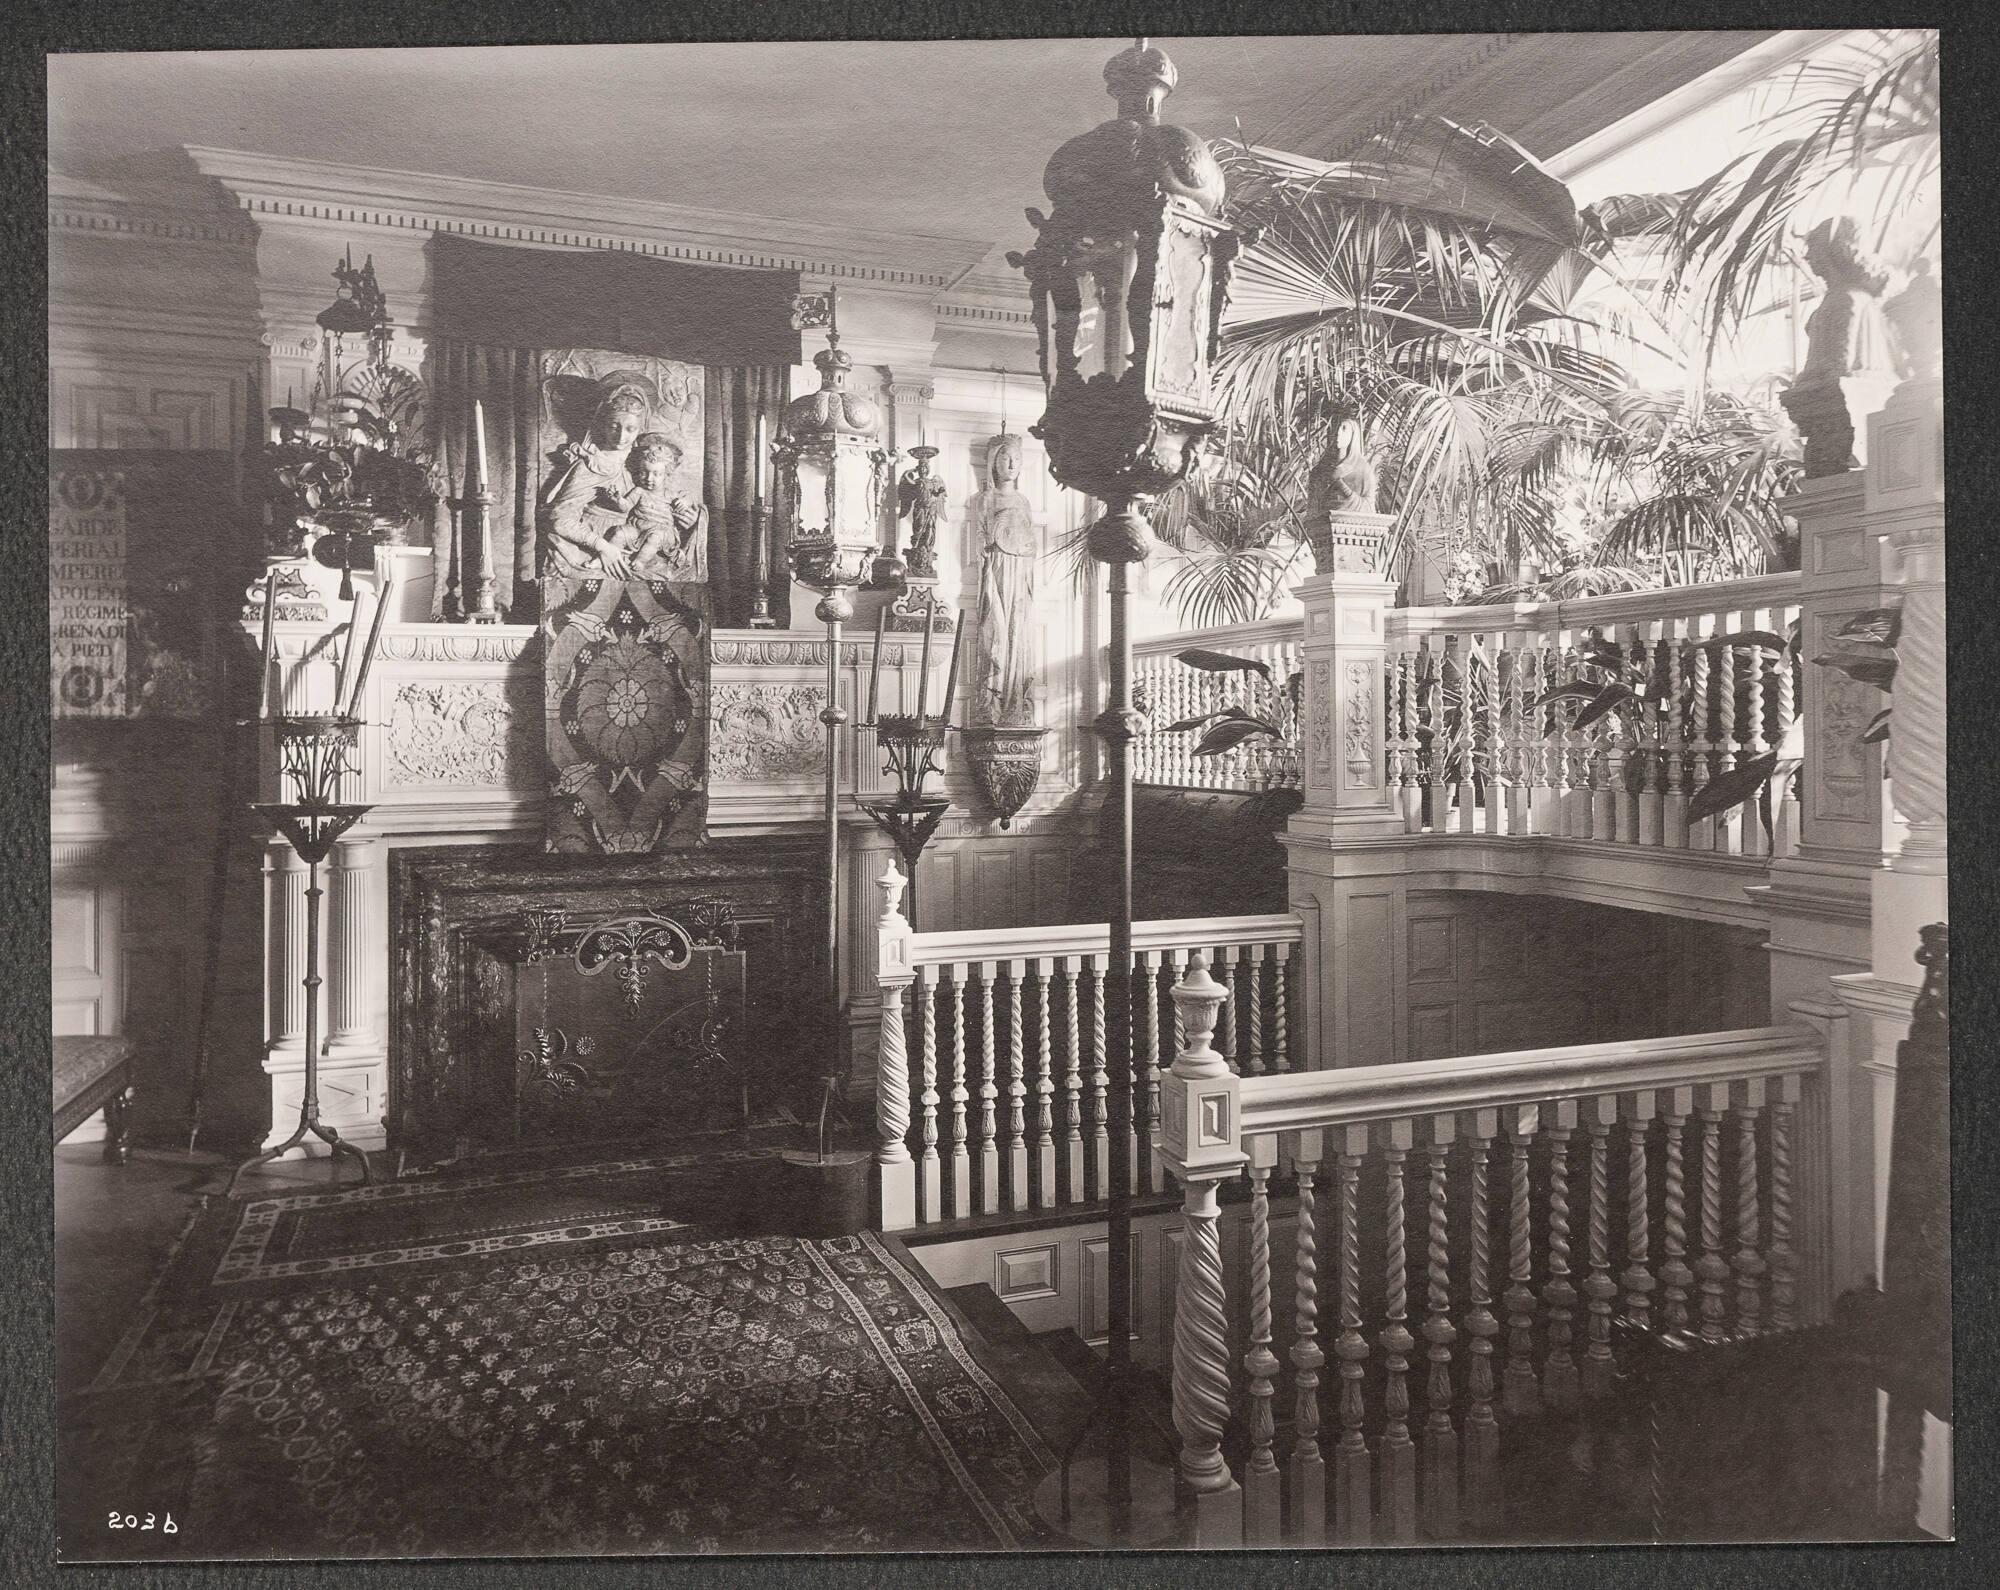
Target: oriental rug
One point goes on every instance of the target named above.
(536, 1362)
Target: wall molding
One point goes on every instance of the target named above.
(277, 189)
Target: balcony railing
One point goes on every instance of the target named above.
(1666, 1187)
(993, 1089)
(1471, 752)
(1169, 692)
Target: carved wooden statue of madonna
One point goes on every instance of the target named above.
(624, 558)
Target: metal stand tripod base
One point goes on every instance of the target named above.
(306, 1128)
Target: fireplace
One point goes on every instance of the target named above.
(539, 999)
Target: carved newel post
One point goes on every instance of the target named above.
(895, 1170)
(1905, 498)
(1199, 1129)
(1346, 962)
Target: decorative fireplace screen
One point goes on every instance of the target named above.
(628, 1022)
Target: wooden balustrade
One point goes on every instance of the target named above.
(1592, 1162)
(995, 1082)
(1169, 691)
(1472, 752)
(1469, 750)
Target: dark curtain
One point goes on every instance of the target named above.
(733, 397)
(494, 309)
(490, 294)
(506, 381)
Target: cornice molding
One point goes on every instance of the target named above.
(277, 189)
(102, 213)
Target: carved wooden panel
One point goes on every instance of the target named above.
(764, 733)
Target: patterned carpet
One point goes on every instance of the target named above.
(557, 1359)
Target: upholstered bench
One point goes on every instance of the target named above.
(93, 1074)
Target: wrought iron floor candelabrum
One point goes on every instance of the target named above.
(913, 747)
(314, 753)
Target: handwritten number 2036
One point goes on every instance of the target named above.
(166, 1526)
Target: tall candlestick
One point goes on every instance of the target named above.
(758, 458)
(875, 673)
(479, 442)
(924, 672)
(269, 643)
(951, 674)
(347, 649)
(382, 607)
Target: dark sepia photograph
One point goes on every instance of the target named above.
(997, 795)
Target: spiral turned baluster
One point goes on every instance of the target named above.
(1748, 1262)
(1440, 1497)
(1352, 1483)
(1045, 1092)
(1262, 1483)
(1711, 1269)
(1675, 1276)
(1201, 1365)
(1521, 1393)
(1559, 1374)
(1399, 1453)
(1100, 1091)
(1599, 1289)
(1073, 1085)
(961, 1098)
(1638, 1276)
(1482, 1429)
(1308, 1484)
(1784, 1263)
(929, 1173)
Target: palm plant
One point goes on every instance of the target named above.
(1864, 118)
(1438, 282)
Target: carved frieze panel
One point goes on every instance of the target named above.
(1845, 770)
(462, 734)
(1358, 730)
(764, 733)
(1320, 731)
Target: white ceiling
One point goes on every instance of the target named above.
(942, 138)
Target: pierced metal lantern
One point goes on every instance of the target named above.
(1129, 275)
(831, 469)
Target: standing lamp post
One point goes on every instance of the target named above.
(1129, 274)
(315, 752)
(829, 484)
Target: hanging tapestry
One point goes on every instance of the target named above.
(625, 605)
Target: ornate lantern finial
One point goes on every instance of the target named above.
(829, 465)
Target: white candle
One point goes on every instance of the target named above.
(924, 673)
(479, 439)
(875, 673)
(266, 648)
(758, 458)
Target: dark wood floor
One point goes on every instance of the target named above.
(114, 1226)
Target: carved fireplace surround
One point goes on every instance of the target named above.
(461, 916)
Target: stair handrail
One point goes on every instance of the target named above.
(1584, 612)
(1354, 1095)
(1082, 938)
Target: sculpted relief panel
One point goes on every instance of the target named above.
(764, 733)
(463, 734)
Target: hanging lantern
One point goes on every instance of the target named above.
(830, 467)
(1129, 275)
